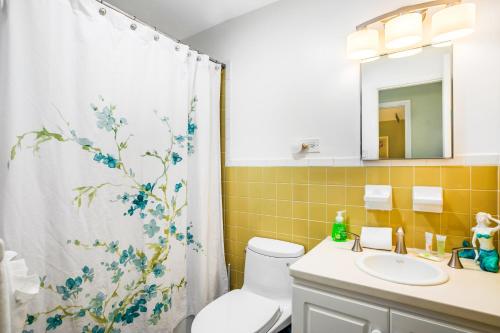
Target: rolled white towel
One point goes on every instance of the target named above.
(5, 301)
(376, 238)
(17, 287)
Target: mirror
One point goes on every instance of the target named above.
(406, 106)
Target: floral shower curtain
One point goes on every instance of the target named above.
(101, 126)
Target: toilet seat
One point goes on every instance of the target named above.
(238, 311)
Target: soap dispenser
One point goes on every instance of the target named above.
(339, 230)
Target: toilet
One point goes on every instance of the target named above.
(264, 303)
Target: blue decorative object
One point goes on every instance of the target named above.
(487, 256)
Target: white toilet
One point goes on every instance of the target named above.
(264, 303)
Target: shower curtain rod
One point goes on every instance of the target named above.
(134, 18)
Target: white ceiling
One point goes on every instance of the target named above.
(185, 18)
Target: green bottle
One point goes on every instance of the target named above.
(339, 233)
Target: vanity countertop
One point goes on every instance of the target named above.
(469, 293)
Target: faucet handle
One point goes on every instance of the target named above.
(400, 243)
(356, 247)
(455, 258)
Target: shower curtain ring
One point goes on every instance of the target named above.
(102, 11)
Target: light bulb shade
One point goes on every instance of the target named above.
(403, 31)
(363, 44)
(453, 22)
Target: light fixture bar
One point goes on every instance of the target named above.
(407, 9)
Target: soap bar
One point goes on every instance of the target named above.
(376, 238)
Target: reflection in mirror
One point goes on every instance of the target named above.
(410, 122)
(406, 106)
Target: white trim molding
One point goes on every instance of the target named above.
(353, 161)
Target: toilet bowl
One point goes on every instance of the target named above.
(264, 303)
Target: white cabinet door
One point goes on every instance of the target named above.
(315, 311)
(402, 322)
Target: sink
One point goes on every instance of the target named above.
(402, 269)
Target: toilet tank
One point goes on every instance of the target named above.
(266, 267)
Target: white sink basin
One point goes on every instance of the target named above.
(402, 269)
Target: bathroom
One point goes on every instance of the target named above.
(304, 166)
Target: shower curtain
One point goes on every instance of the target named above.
(111, 183)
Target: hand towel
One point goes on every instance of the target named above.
(16, 289)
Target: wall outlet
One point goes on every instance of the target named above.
(313, 144)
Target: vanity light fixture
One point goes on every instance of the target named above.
(453, 22)
(404, 31)
(363, 44)
(404, 28)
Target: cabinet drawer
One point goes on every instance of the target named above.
(315, 311)
(402, 322)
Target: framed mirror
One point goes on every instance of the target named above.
(406, 105)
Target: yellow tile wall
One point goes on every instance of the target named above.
(299, 204)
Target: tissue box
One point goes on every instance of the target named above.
(378, 197)
(428, 199)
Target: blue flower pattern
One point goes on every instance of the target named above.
(54, 322)
(144, 199)
(71, 288)
(191, 126)
(176, 158)
(105, 119)
(151, 229)
(107, 160)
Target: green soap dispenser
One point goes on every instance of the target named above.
(339, 231)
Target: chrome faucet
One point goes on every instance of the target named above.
(455, 258)
(400, 242)
(356, 247)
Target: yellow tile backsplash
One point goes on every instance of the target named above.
(455, 177)
(484, 178)
(427, 176)
(356, 176)
(377, 175)
(335, 176)
(402, 176)
(299, 204)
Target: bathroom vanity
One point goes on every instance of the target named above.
(331, 294)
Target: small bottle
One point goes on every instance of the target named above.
(428, 242)
(441, 244)
(339, 232)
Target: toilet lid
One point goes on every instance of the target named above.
(237, 312)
